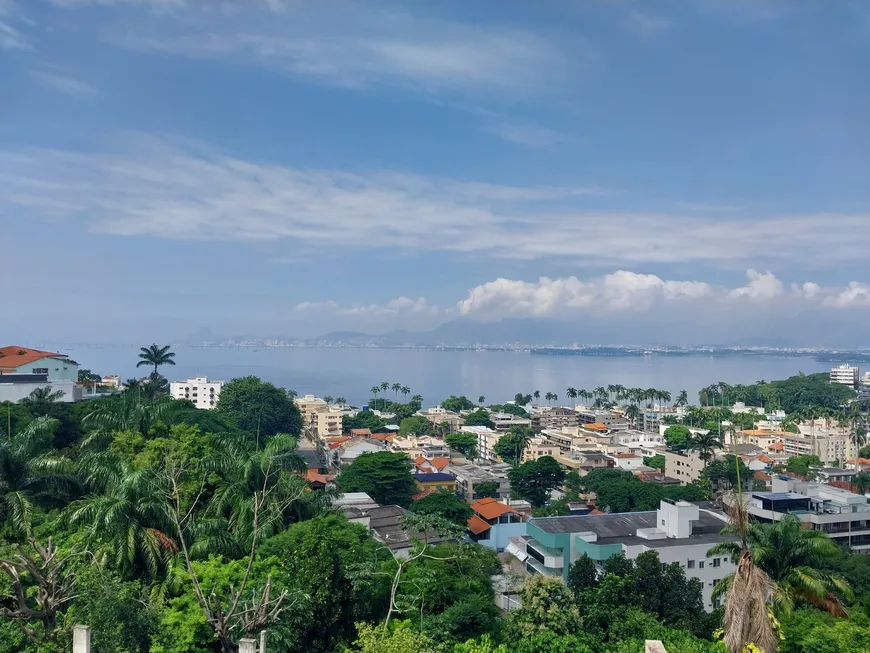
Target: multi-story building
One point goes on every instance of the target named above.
(439, 416)
(679, 532)
(685, 466)
(627, 461)
(199, 390)
(470, 475)
(554, 417)
(584, 462)
(843, 515)
(486, 440)
(612, 420)
(762, 438)
(537, 447)
(845, 375)
(323, 419)
(821, 438)
(504, 421)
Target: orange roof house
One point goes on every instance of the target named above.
(492, 521)
(318, 480)
(431, 464)
(13, 357)
(595, 426)
(489, 508)
(361, 433)
(477, 526)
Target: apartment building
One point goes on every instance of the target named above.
(537, 447)
(612, 420)
(486, 440)
(423, 445)
(680, 532)
(439, 416)
(202, 392)
(469, 475)
(553, 417)
(504, 421)
(685, 466)
(761, 438)
(324, 420)
(584, 462)
(845, 375)
(843, 515)
(826, 440)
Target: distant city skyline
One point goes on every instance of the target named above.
(630, 172)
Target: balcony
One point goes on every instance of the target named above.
(552, 559)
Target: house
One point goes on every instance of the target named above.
(680, 532)
(537, 447)
(345, 453)
(435, 481)
(55, 367)
(439, 416)
(829, 474)
(431, 465)
(316, 480)
(494, 523)
(505, 421)
(320, 417)
(627, 461)
(584, 461)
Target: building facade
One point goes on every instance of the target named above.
(679, 532)
(324, 420)
(55, 367)
(685, 466)
(199, 390)
(493, 524)
(469, 475)
(845, 375)
(554, 417)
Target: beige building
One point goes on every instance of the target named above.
(685, 466)
(554, 417)
(762, 438)
(538, 447)
(438, 416)
(323, 419)
(829, 444)
(486, 440)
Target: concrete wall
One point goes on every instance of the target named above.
(500, 535)
(15, 392)
(59, 369)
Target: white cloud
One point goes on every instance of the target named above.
(624, 291)
(11, 39)
(154, 188)
(310, 307)
(857, 294)
(532, 136)
(399, 305)
(63, 83)
(762, 286)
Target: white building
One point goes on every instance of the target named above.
(845, 375)
(486, 441)
(202, 392)
(318, 415)
(24, 370)
(680, 532)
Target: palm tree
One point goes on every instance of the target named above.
(384, 386)
(536, 394)
(705, 444)
(664, 397)
(128, 414)
(248, 475)
(156, 356)
(632, 413)
(375, 390)
(133, 386)
(682, 398)
(405, 390)
(611, 389)
(30, 473)
(571, 393)
(619, 392)
(327, 399)
(42, 396)
(417, 399)
(341, 401)
(396, 387)
(481, 400)
(795, 559)
(125, 516)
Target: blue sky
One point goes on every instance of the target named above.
(288, 167)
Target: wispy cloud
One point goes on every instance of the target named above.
(63, 83)
(363, 48)
(11, 39)
(528, 135)
(649, 24)
(155, 188)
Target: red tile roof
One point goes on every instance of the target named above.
(476, 525)
(595, 426)
(424, 493)
(595, 511)
(489, 508)
(761, 476)
(776, 446)
(313, 476)
(386, 437)
(361, 432)
(440, 462)
(13, 357)
(765, 459)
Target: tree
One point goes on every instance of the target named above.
(156, 355)
(480, 417)
(464, 443)
(88, 377)
(416, 425)
(796, 560)
(547, 607)
(396, 388)
(862, 482)
(682, 398)
(511, 445)
(723, 473)
(582, 575)
(621, 491)
(678, 438)
(385, 476)
(657, 461)
(456, 404)
(535, 479)
(704, 443)
(803, 465)
(39, 399)
(365, 419)
(444, 504)
(632, 413)
(258, 407)
(481, 400)
(31, 473)
(486, 489)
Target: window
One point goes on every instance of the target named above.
(701, 564)
(40, 370)
(691, 564)
(716, 562)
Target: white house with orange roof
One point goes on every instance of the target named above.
(493, 523)
(24, 370)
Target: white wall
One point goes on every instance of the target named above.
(59, 369)
(15, 392)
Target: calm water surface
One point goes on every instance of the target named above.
(497, 375)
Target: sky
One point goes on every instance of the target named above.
(289, 167)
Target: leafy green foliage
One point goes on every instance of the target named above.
(723, 473)
(657, 461)
(486, 489)
(365, 419)
(535, 479)
(446, 504)
(257, 406)
(455, 404)
(678, 438)
(511, 445)
(803, 465)
(479, 417)
(385, 476)
(791, 395)
(416, 425)
(510, 409)
(464, 443)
